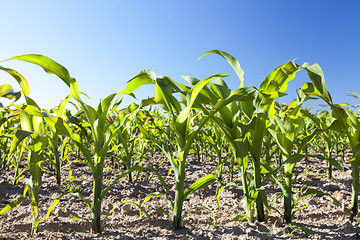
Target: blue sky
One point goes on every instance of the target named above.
(103, 44)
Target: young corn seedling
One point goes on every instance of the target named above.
(290, 123)
(58, 145)
(182, 122)
(130, 138)
(102, 133)
(8, 115)
(32, 127)
(57, 151)
(247, 131)
(326, 142)
(8, 121)
(346, 121)
(214, 138)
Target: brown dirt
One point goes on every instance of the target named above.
(321, 219)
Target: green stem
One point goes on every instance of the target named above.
(287, 199)
(247, 199)
(35, 169)
(96, 203)
(288, 191)
(179, 195)
(259, 200)
(220, 164)
(57, 167)
(330, 166)
(355, 190)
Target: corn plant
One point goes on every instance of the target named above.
(327, 142)
(229, 119)
(6, 130)
(246, 132)
(6, 91)
(102, 132)
(8, 120)
(32, 127)
(58, 146)
(214, 138)
(290, 124)
(130, 136)
(346, 121)
(182, 121)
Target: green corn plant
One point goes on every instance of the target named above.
(229, 119)
(271, 150)
(159, 125)
(102, 132)
(57, 153)
(182, 122)
(9, 125)
(32, 127)
(309, 127)
(346, 121)
(201, 146)
(18, 174)
(143, 120)
(58, 145)
(8, 122)
(164, 88)
(271, 88)
(8, 119)
(7, 92)
(82, 128)
(290, 124)
(257, 116)
(127, 138)
(214, 138)
(342, 144)
(123, 142)
(327, 139)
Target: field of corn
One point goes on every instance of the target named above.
(196, 161)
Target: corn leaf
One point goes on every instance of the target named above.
(143, 78)
(232, 61)
(50, 66)
(201, 207)
(199, 184)
(52, 207)
(278, 79)
(316, 75)
(7, 91)
(12, 205)
(20, 79)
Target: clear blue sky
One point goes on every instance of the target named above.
(103, 44)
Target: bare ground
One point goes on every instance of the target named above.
(321, 219)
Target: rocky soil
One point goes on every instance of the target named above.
(320, 219)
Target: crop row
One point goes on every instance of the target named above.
(263, 139)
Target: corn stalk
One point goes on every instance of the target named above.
(346, 121)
